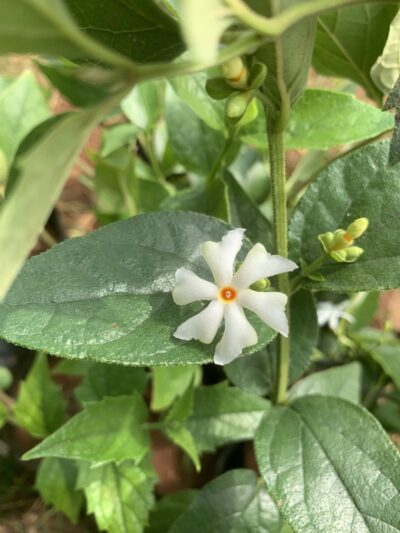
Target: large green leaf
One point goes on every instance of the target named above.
(119, 496)
(323, 119)
(22, 107)
(350, 40)
(109, 430)
(341, 382)
(107, 296)
(331, 465)
(46, 27)
(130, 27)
(234, 502)
(56, 484)
(42, 174)
(168, 510)
(40, 405)
(223, 414)
(169, 382)
(357, 185)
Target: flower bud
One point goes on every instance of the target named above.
(358, 227)
(348, 255)
(236, 106)
(326, 240)
(261, 285)
(235, 72)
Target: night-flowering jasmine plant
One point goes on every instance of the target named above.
(229, 294)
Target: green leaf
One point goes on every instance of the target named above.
(257, 373)
(385, 352)
(235, 501)
(3, 415)
(342, 382)
(323, 119)
(184, 439)
(349, 41)
(6, 378)
(107, 296)
(117, 137)
(195, 144)
(110, 380)
(209, 198)
(129, 28)
(244, 213)
(363, 309)
(169, 509)
(40, 405)
(144, 104)
(22, 107)
(109, 430)
(55, 482)
(119, 496)
(287, 57)
(192, 90)
(386, 69)
(357, 185)
(223, 414)
(393, 101)
(331, 466)
(43, 171)
(169, 382)
(41, 27)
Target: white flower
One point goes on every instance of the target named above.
(331, 314)
(230, 294)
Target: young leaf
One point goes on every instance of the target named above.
(22, 107)
(350, 54)
(43, 171)
(237, 500)
(110, 380)
(129, 28)
(169, 382)
(223, 414)
(169, 509)
(40, 405)
(331, 465)
(119, 495)
(342, 382)
(323, 119)
(56, 484)
(144, 104)
(109, 430)
(386, 69)
(107, 296)
(357, 185)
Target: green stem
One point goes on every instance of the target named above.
(276, 142)
(312, 267)
(221, 158)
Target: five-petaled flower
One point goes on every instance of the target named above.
(230, 294)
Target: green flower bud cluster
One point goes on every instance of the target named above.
(237, 85)
(339, 244)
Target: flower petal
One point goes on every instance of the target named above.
(260, 264)
(203, 326)
(220, 256)
(269, 306)
(238, 334)
(191, 288)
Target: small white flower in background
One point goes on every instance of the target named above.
(230, 294)
(330, 314)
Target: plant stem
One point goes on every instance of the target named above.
(276, 142)
(312, 267)
(221, 158)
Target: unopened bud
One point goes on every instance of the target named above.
(236, 105)
(261, 285)
(235, 72)
(348, 255)
(358, 227)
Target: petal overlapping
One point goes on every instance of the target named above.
(260, 264)
(269, 306)
(191, 288)
(203, 326)
(220, 256)
(238, 334)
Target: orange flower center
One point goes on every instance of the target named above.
(348, 238)
(227, 294)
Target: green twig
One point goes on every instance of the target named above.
(296, 282)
